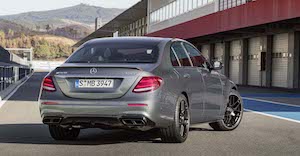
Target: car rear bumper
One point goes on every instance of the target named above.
(114, 114)
(137, 122)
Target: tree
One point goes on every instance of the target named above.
(38, 28)
(48, 27)
(2, 34)
(42, 51)
(11, 33)
(2, 38)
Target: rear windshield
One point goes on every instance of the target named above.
(116, 53)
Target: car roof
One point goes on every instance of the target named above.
(128, 40)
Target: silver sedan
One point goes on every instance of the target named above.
(138, 83)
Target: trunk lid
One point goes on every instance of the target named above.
(123, 76)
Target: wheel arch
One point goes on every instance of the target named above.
(186, 96)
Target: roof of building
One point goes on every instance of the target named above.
(129, 16)
(5, 59)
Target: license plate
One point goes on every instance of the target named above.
(94, 83)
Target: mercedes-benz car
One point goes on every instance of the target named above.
(139, 84)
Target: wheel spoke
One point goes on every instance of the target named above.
(182, 106)
(230, 101)
(181, 130)
(186, 122)
(183, 118)
(237, 107)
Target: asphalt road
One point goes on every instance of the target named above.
(22, 133)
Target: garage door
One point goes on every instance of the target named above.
(280, 61)
(234, 61)
(219, 52)
(253, 62)
(205, 50)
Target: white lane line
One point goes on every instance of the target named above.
(13, 92)
(273, 102)
(274, 116)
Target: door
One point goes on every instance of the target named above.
(234, 64)
(219, 54)
(212, 92)
(214, 98)
(205, 50)
(280, 60)
(253, 62)
(192, 79)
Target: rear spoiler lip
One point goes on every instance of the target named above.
(100, 66)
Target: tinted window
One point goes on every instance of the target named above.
(174, 59)
(116, 53)
(181, 54)
(197, 59)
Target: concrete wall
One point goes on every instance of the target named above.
(45, 65)
(19, 60)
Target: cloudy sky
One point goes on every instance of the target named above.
(9, 7)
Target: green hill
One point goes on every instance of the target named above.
(79, 15)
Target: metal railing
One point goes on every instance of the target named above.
(226, 4)
(10, 75)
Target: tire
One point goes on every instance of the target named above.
(178, 131)
(59, 133)
(230, 122)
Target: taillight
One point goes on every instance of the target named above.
(48, 84)
(147, 84)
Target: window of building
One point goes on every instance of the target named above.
(190, 5)
(178, 7)
(185, 5)
(195, 4)
(177, 11)
(181, 7)
(173, 9)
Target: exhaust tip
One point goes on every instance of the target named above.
(134, 122)
(52, 120)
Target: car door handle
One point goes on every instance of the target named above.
(187, 76)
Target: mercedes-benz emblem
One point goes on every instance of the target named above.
(93, 71)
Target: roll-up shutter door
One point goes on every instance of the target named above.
(280, 60)
(219, 52)
(253, 62)
(234, 61)
(205, 50)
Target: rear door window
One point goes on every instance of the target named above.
(181, 54)
(174, 59)
(196, 57)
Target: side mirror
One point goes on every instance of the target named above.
(218, 65)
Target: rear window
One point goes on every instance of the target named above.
(116, 53)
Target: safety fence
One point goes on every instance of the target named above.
(11, 74)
